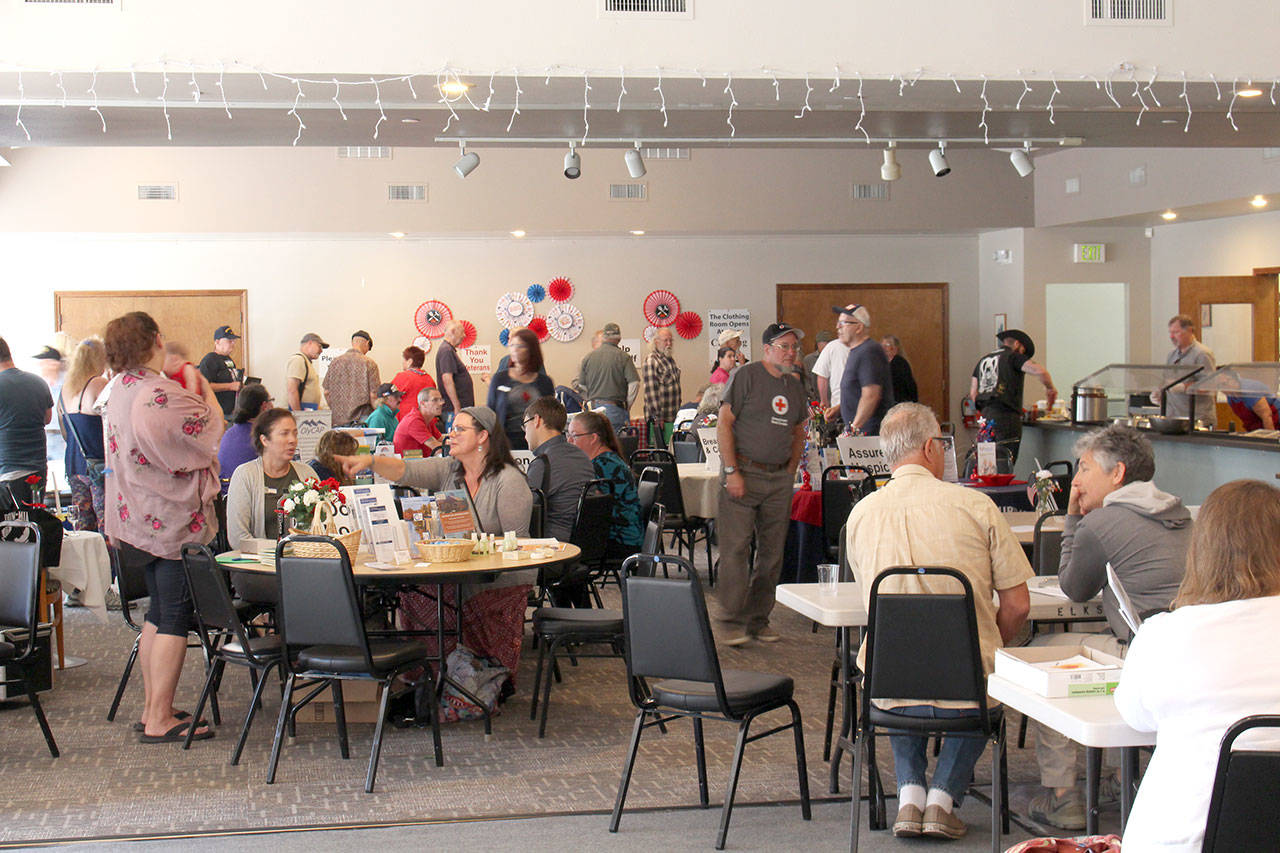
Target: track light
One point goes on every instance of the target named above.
(938, 160)
(635, 163)
(572, 164)
(466, 163)
(890, 171)
(1018, 157)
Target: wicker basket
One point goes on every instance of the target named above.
(445, 550)
(322, 524)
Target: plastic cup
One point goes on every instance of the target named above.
(828, 579)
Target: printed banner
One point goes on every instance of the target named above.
(719, 319)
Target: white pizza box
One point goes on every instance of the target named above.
(1059, 672)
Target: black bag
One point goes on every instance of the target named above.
(50, 527)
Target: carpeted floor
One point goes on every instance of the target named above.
(107, 784)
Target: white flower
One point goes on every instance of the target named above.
(1044, 474)
(297, 486)
(289, 504)
(310, 498)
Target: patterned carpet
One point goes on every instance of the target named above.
(107, 784)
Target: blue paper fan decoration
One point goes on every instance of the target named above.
(536, 293)
(504, 336)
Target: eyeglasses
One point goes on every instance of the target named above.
(527, 421)
(787, 347)
(573, 436)
(460, 428)
(847, 323)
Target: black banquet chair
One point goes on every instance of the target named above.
(688, 530)
(669, 647)
(1242, 808)
(323, 633)
(842, 487)
(20, 608)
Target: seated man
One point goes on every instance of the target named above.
(420, 429)
(1115, 515)
(919, 520)
(384, 417)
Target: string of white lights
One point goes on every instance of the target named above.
(1186, 127)
(808, 90)
(1056, 93)
(862, 111)
(294, 112)
(1026, 90)
(663, 96)
(1232, 105)
(93, 90)
(586, 105)
(337, 89)
(382, 114)
(222, 70)
(733, 102)
(622, 87)
(986, 108)
(516, 111)
(22, 96)
(164, 105)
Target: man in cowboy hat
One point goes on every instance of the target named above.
(996, 385)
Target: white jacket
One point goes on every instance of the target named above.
(245, 499)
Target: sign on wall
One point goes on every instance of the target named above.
(477, 359)
(719, 319)
(633, 347)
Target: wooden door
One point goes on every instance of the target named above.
(186, 316)
(1259, 290)
(915, 312)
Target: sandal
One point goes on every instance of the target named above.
(179, 715)
(176, 734)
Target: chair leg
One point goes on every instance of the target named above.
(875, 789)
(28, 680)
(732, 788)
(627, 767)
(254, 705)
(340, 717)
(537, 676)
(1022, 733)
(856, 800)
(1004, 781)
(802, 766)
(55, 605)
(546, 688)
(209, 679)
(376, 751)
(285, 702)
(997, 792)
(124, 680)
(700, 749)
(433, 712)
(831, 710)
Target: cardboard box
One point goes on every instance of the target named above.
(1026, 667)
(11, 686)
(359, 703)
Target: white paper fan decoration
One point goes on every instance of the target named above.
(564, 322)
(514, 310)
(649, 332)
(423, 343)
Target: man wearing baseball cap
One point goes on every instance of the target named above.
(761, 431)
(866, 384)
(384, 414)
(219, 369)
(608, 378)
(303, 385)
(996, 385)
(732, 338)
(352, 380)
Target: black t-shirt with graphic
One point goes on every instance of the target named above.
(999, 374)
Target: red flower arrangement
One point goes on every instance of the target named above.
(688, 325)
(538, 325)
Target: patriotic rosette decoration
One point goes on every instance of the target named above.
(536, 293)
(564, 322)
(649, 332)
(423, 343)
(688, 325)
(661, 308)
(514, 310)
(560, 289)
(538, 326)
(431, 318)
(504, 336)
(468, 334)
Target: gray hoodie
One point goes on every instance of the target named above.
(1143, 532)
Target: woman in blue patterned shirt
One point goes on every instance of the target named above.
(592, 433)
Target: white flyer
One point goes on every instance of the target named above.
(710, 440)
(719, 319)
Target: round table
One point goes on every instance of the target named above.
(700, 489)
(418, 571)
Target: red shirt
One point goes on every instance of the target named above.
(413, 433)
(410, 382)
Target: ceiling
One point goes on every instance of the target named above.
(57, 110)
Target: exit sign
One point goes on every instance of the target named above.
(1089, 253)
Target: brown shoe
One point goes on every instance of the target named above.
(939, 823)
(908, 823)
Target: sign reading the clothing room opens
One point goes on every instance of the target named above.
(1089, 253)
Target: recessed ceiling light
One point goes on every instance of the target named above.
(1168, 216)
(519, 232)
(399, 235)
(1258, 201)
(409, 120)
(636, 232)
(1249, 93)
(454, 88)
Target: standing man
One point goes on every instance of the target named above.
(661, 383)
(810, 379)
(904, 382)
(866, 386)
(828, 370)
(608, 378)
(352, 380)
(384, 414)
(761, 431)
(919, 520)
(451, 374)
(996, 385)
(420, 429)
(302, 383)
(219, 369)
(26, 406)
(1189, 352)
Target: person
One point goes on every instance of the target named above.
(661, 383)
(920, 520)
(161, 479)
(26, 405)
(219, 369)
(828, 370)
(410, 380)
(592, 433)
(258, 485)
(866, 385)
(300, 374)
(732, 338)
(420, 430)
(82, 426)
(559, 469)
(904, 382)
(384, 416)
(608, 377)
(479, 461)
(1192, 673)
(1116, 516)
(761, 430)
(996, 385)
(332, 444)
(352, 380)
(51, 365)
(237, 442)
(1254, 404)
(451, 373)
(1188, 352)
(820, 342)
(512, 390)
(53, 368)
(597, 338)
(726, 361)
(179, 368)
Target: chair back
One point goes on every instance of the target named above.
(688, 451)
(648, 486)
(628, 440)
(1062, 471)
(538, 514)
(905, 662)
(669, 490)
(318, 600)
(652, 543)
(846, 571)
(1046, 545)
(211, 597)
(657, 437)
(20, 579)
(220, 541)
(1242, 808)
(131, 580)
(842, 487)
(593, 521)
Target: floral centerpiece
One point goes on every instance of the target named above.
(310, 506)
(1045, 487)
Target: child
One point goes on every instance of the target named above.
(179, 368)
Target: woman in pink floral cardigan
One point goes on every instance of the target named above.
(161, 479)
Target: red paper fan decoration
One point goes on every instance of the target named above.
(538, 326)
(560, 289)
(431, 318)
(661, 308)
(688, 325)
(468, 334)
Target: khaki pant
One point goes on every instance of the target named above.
(744, 592)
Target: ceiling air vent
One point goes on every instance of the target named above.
(871, 192)
(157, 192)
(663, 10)
(628, 192)
(665, 153)
(1132, 13)
(364, 152)
(406, 192)
(72, 2)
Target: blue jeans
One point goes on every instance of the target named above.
(955, 762)
(616, 414)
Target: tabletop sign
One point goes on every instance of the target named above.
(863, 450)
(950, 472)
(710, 440)
(987, 458)
(1089, 253)
(311, 425)
(477, 359)
(633, 347)
(524, 458)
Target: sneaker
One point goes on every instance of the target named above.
(736, 640)
(1063, 812)
(940, 823)
(113, 600)
(764, 635)
(909, 822)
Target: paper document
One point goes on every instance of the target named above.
(1048, 585)
(1075, 663)
(1128, 612)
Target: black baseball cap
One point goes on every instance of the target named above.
(777, 330)
(386, 389)
(225, 332)
(49, 353)
(363, 334)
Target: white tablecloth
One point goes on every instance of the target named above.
(700, 489)
(85, 566)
